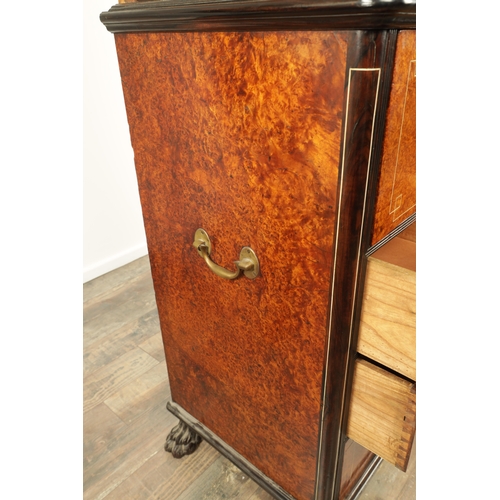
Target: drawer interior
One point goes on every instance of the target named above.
(387, 332)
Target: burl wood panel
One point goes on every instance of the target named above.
(396, 197)
(240, 134)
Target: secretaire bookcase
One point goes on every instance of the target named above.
(274, 146)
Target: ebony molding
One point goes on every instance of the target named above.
(259, 15)
(368, 79)
(224, 449)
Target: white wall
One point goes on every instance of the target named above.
(113, 230)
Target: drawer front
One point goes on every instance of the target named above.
(382, 413)
(239, 134)
(387, 332)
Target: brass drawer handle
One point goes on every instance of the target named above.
(248, 262)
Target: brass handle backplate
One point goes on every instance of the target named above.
(248, 263)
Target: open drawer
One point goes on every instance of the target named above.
(387, 331)
(382, 413)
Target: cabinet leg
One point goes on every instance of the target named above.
(182, 440)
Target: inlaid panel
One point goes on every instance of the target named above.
(240, 134)
(396, 197)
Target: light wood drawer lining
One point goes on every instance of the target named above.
(388, 319)
(382, 413)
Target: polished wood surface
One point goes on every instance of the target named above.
(396, 198)
(258, 15)
(240, 134)
(387, 332)
(382, 413)
(367, 88)
(123, 436)
(268, 140)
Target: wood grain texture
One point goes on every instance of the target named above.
(128, 449)
(240, 134)
(135, 398)
(222, 480)
(125, 338)
(387, 332)
(128, 308)
(167, 477)
(396, 199)
(100, 384)
(110, 284)
(382, 413)
(101, 426)
(154, 346)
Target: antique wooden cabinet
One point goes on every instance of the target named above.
(274, 145)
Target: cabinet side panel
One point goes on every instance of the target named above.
(239, 134)
(396, 197)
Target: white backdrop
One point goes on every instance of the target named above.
(113, 230)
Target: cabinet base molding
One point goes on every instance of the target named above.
(182, 441)
(231, 454)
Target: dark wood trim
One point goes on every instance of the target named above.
(369, 471)
(367, 94)
(231, 454)
(259, 15)
(386, 58)
(404, 225)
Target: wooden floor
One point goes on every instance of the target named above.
(125, 419)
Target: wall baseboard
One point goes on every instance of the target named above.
(114, 262)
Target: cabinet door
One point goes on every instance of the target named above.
(239, 134)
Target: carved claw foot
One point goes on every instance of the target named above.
(182, 440)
